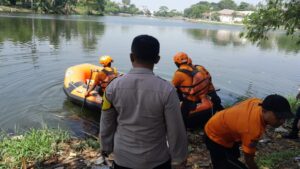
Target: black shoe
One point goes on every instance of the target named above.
(291, 135)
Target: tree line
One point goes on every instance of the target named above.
(102, 7)
(99, 7)
(197, 10)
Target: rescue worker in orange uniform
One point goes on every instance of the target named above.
(104, 76)
(196, 108)
(243, 124)
(212, 93)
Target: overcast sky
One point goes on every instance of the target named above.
(175, 4)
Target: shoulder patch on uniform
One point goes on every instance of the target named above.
(105, 103)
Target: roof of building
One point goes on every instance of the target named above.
(226, 12)
(230, 12)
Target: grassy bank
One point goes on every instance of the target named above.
(277, 159)
(42, 148)
(33, 146)
(46, 148)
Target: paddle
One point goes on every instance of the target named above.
(87, 88)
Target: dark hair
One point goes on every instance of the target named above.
(278, 105)
(146, 49)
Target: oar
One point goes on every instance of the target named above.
(87, 88)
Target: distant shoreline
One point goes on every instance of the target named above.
(8, 10)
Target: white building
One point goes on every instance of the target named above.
(226, 15)
(231, 16)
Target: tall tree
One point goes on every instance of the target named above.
(227, 4)
(126, 2)
(111, 7)
(196, 10)
(55, 6)
(276, 14)
(162, 11)
(101, 5)
(244, 6)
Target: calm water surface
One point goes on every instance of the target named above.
(36, 50)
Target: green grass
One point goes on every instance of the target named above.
(34, 145)
(87, 143)
(272, 160)
(294, 103)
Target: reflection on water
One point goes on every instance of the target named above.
(82, 124)
(29, 31)
(218, 37)
(227, 37)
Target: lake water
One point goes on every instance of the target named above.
(35, 51)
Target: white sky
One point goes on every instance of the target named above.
(176, 4)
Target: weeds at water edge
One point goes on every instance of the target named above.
(34, 145)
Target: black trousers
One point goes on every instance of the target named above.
(295, 128)
(222, 157)
(216, 101)
(166, 165)
(197, 120)
(214, 98)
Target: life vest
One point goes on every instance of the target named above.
(207, 75)
(200, 82)
(205, 72)
(110, 75)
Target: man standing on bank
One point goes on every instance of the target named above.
(141, 121)
(243, 124)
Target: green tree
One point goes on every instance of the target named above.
(244, 6)
(126, 2)
(101, 5)
(147, 12)
(133, 9)
(174, 12)
(227, 4)
(162, 11)
(196, 10)
(215, 16)
(55, 6)
(13, 2)
(215, 6)
(274, 15)
(111, 7)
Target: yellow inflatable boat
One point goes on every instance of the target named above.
(76, 81)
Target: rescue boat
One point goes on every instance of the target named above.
(77, 79)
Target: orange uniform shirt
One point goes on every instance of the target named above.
(100, 76)
(240, 123)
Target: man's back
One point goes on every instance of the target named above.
(146, 107)
(240, 123)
